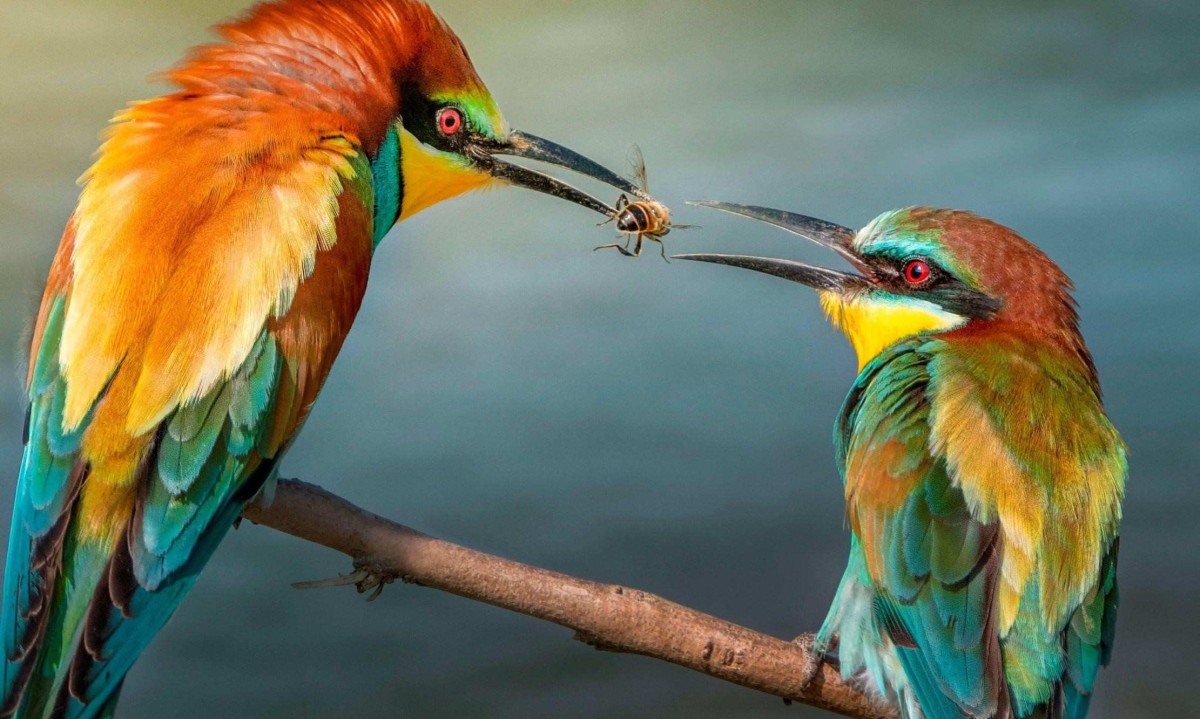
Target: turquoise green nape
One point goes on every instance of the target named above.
(389, 188)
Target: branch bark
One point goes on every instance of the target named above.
(606, 616)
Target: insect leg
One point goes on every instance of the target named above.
(616, 246)
(622, 203)
(662, 247)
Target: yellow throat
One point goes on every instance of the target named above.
(431, 176)
(873, 323)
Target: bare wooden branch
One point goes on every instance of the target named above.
(606, 616)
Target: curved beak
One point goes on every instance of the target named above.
(531, 147)
(835, 237)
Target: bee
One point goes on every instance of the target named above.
(642, 219)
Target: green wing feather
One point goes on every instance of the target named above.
(78, 609)
(1089, 639)
(42, 490)
(216, 460)
(68, 646)
(935, 568)
(935, 580)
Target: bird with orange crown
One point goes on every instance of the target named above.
(202, 289)
(983, 478)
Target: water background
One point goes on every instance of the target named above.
(662, 426)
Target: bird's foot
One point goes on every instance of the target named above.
(823, 653)
(366, 577)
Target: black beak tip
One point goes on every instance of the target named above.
(532, 147)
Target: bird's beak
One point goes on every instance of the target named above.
(835, 237)
(530, 147)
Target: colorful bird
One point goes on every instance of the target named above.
(203, 287)
(983, 479)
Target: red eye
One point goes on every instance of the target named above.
(916, 272)
(450, 120)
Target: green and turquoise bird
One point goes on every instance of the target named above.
(983, 479)
(201, 292)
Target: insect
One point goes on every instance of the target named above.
(642, 219)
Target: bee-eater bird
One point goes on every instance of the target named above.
(203, 286)
(983, 479)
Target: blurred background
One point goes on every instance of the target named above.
(662, 426)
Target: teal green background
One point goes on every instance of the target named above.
(662, 426)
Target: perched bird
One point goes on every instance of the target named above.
(983, 479)
(202, 289)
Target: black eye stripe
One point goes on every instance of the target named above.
(421, 116)
(940, 287)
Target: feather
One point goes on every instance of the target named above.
(983, 612)
(95, 569)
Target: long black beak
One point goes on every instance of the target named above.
(835, 237)
(531, 147)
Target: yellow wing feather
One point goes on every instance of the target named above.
(180, 275)
(1059, 503)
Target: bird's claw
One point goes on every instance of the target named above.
(811, 672)
(374, 583)
(364, 580)
(823, 653)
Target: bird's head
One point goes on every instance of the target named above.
(921, 271)
(393, 75)
(452, 138)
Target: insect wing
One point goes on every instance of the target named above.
(638, 163)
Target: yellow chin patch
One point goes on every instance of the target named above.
(431, 176)
(873, 323)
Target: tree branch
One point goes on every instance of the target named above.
(606, 616)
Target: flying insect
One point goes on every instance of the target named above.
(642, 219)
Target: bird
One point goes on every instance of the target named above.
(201, 291)
(983, 479)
